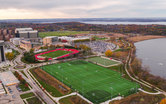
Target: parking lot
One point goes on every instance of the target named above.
(12, 96)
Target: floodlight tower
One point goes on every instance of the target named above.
(111, 91)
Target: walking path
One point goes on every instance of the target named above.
(159, 91)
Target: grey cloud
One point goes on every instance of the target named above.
(91, 8)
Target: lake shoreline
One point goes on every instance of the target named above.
(145, 37)
(150, 56)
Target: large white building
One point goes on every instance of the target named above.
(26, 33)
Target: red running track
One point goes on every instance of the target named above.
(74, 51)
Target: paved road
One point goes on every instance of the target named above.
(35, 87)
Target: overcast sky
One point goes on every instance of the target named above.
(29, 9)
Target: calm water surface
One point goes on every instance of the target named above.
(153, 54)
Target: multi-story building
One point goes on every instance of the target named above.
(2, 53)
(6, 34)
(50, 40)
(28, 44)
(28, 38)
(26, 33)
(15, 41)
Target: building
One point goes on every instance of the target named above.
(8, 78)
(2, 53)
(15, 41)
(28, 44)
(71, 39)
(64, 40)
(6, 34)
(50, 40)
(2, 91)
(26, 33)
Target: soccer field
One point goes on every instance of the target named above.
(56, 54)
(94, 82)
(103, 61)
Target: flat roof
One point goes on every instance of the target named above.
(1, 41)
(51, 37)
(8, 78)
(31, 31)
(23, 29)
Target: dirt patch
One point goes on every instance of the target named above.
(52, 81)
(147, 37)
(73, 100)
(140, 98)
(77, 100)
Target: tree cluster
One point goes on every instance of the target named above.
(22, 81)
(143, 73)
(76, 26)
(29, 57)
(9, 56)
(81, 40)
(86, 50)
(108, 53)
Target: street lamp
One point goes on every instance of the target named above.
(111, 91)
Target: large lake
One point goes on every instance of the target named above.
(153, 54)
(126, 23)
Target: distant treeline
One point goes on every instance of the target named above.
(76, 26)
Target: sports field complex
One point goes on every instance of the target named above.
(94, 82)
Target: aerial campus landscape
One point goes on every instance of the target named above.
(62, 52)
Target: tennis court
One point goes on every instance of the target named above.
(106, 62)
(94, 82)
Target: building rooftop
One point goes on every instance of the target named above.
(31, 31)
(24, 29)
(50, 36)
(1, 41)
(8, 78)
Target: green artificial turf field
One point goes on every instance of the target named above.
(56, 54)
(61, 33)
(103, 61)
(94, 82)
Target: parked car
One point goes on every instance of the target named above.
(18, 88)
(10, 91)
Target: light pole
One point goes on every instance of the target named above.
(111, 91)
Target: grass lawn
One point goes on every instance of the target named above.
(27, 95)
(34, 100)
(65, 100)
(56, 54)
(23, 73)
(53, 91)
(23, 87)
(103, 61)
(61, 33)
(98, 38)
(118, 68)
(94, 82)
